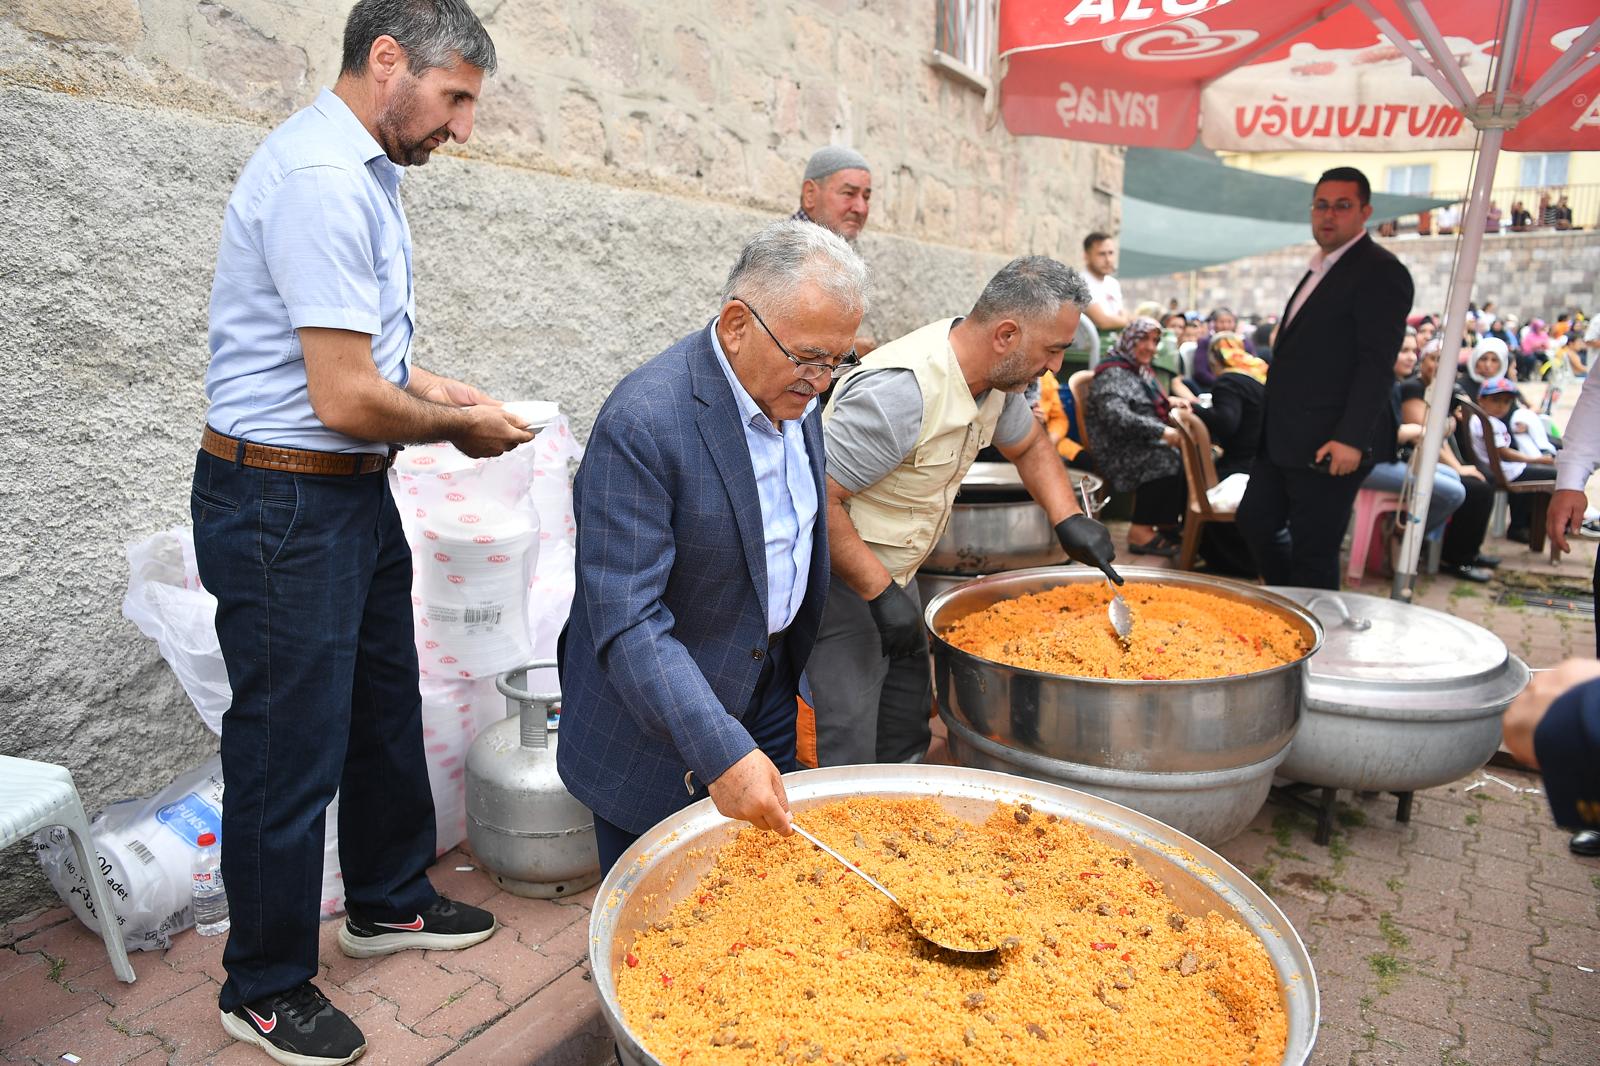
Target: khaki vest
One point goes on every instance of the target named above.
(902, 516)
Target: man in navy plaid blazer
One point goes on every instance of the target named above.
(702, 550)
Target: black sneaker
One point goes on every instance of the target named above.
(298, 1028)
(445, 926)
(1467, 572)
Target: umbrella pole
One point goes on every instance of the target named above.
(1426, 457)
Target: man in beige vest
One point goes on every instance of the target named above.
(900, 434)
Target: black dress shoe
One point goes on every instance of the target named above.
(1467, 573)
(1156, 545)
(1585, 842)
(1518, 535)
(1488, 562)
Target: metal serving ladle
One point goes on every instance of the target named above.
(910, 917)
(1120, 613)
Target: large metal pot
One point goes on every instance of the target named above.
(1199, 755)
(664, 865)
(1400, 697)
(995, 525)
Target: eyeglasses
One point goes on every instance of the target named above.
(1339, 207)
(807, 369)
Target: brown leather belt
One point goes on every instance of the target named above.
(294, 460)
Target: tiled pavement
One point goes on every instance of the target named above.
(1469, 936)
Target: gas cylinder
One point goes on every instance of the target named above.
(526, 829)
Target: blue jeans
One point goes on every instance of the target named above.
(313, 583)
(1447, 491)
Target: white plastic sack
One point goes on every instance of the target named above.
(465, 520)
(166, 602)
(145, 851)
(1226, 494)
(474, 535)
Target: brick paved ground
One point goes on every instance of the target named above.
(1469, 936)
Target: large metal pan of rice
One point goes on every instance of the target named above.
(1129, 942)
(1187, 722)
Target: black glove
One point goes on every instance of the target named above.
(899, 622)
(1087, 541)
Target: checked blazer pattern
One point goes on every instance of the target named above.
(668, 631)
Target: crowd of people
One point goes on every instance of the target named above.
(1551, 211)
(1151, 361)
(752, 508)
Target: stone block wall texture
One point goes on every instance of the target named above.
(1526, 274)
(623, 153)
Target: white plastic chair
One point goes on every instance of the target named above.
(34, 795)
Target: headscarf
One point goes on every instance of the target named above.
(1121, 358)
(1235, 360)
(1488, 346)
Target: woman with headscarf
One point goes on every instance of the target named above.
(1135, 447)
(1535, 342)
(1488, 359)
(1238, 400)
(1221, 321)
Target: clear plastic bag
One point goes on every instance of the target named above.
(144, 848)
(167, 603)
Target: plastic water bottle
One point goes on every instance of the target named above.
(210, 896)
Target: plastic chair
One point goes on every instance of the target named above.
(1200, 471)
(34, 795)
(1371, 505)
(1078, 385)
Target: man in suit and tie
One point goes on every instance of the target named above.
(1332, 371)
(702, 549)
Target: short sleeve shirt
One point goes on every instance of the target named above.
(313, 236)
(1106, 291)
(877, 418)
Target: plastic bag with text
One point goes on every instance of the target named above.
(144, 850)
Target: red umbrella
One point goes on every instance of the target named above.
(1279, 75)
(1345, 75)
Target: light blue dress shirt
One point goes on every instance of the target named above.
(314, 235)
(788, 497)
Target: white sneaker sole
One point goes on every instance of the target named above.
(244, 1032)
(360, 947)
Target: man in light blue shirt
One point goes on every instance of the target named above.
(782, 467)
(312, 387)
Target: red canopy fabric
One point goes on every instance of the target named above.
(1276, 75)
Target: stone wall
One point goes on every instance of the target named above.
(623, 153)
(1525, 274)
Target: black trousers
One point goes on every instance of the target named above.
(1294, 520)
(1463, 537)
(1160, 502)
(1520, 504)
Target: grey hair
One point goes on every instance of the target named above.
(787, 254)
(433, 33)
(1031, 287)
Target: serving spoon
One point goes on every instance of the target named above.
(1120, 613)
(965, 949)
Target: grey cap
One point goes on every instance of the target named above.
(832, 159)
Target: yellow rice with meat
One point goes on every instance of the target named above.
(780, 956)
(1178, 633)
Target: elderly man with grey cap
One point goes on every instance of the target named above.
(836, 194)
(900, 433)
(837, 191)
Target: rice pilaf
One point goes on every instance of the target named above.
(1178, 634)
(779, 956)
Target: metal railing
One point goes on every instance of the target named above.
(1584, 200)
(965, 33)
